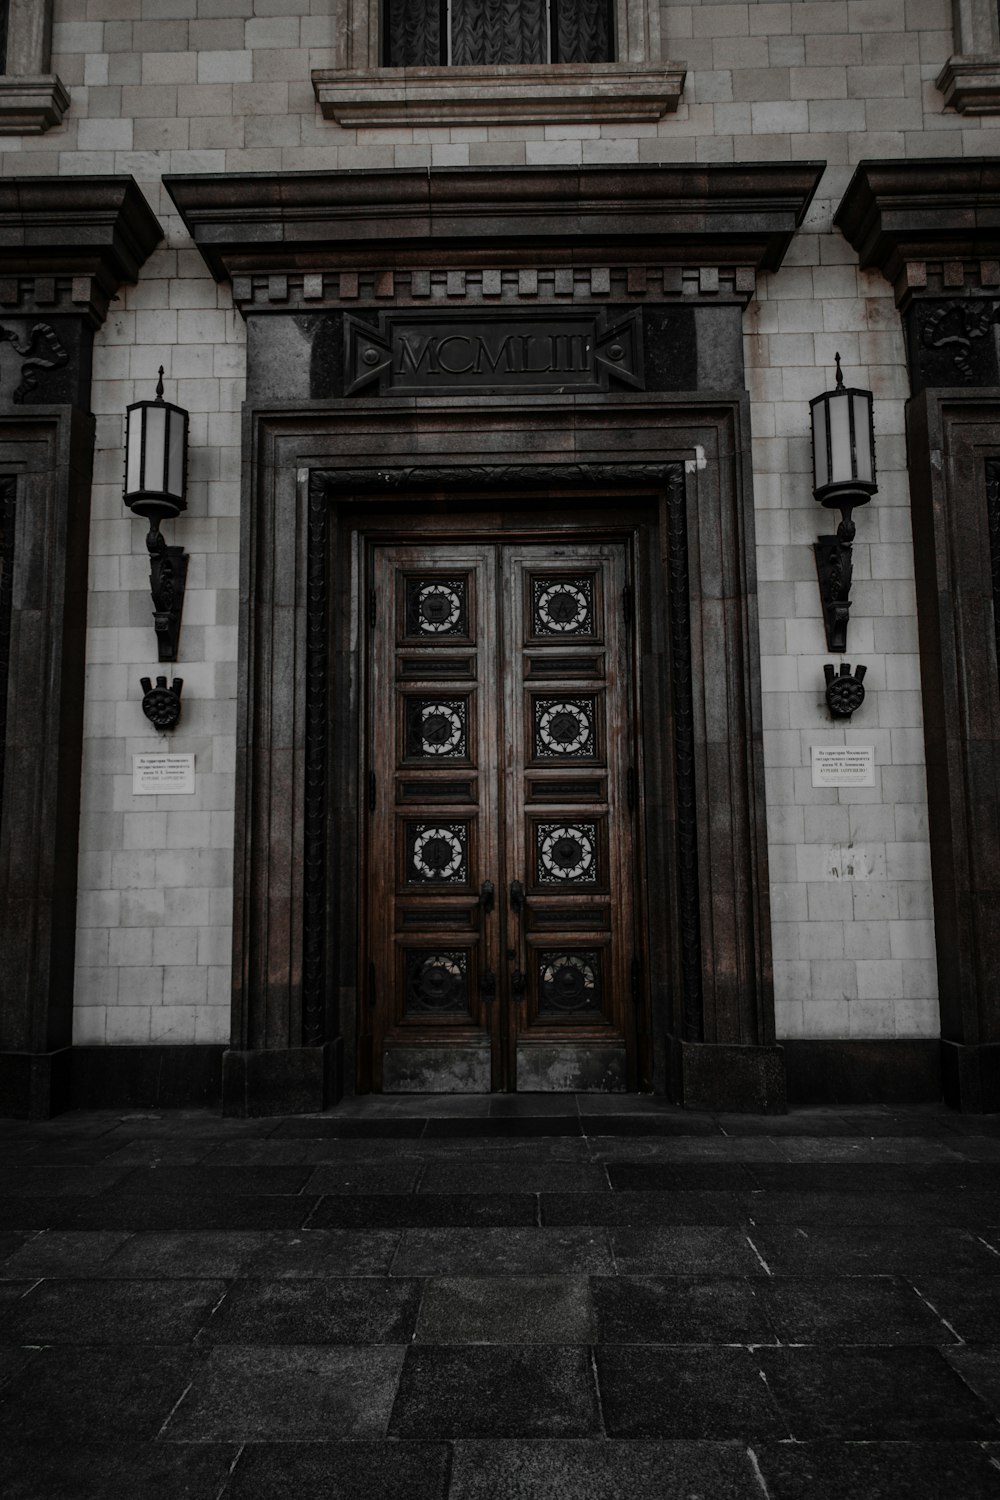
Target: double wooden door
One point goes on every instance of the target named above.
(500, 914)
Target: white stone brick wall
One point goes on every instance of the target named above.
(163, 86)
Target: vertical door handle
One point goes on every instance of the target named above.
(517, 897)
(487, 891)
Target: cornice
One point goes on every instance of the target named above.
(726, 214)
(541, 94)
(94, 233)
(905, 216)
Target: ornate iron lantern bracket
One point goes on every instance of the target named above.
(155, 479)
(843, 438)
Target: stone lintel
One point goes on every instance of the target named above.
(713, 214)
(540, 94)
(900, 213)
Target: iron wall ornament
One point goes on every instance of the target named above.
(843, 438)
(155, 479)
(845, 691)
(39, 350)
(162, 704)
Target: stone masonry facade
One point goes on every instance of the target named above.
(224, 86)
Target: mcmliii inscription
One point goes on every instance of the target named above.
(411, 353)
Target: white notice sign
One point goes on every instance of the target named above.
(843, 765)
(162, 775)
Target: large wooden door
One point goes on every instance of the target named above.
(500, 927)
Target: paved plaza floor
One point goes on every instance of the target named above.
(443, 1299)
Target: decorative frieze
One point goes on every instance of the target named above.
(492, 285)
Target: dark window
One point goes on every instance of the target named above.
(491, 33)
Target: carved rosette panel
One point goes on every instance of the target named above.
(563, 606)
(437, 729)
(564, 728)
(436, 607)
(437, 853)
(437, 982)
(569, 982)
(566, 853)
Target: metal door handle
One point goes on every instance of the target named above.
(517, 896)
(518, 984)
(487, 892)
(488, 986)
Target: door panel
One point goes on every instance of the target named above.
(500, 859)
(568, 832)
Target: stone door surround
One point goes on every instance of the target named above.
(304, 250)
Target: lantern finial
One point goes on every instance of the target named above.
(159, 384)
(840, 374)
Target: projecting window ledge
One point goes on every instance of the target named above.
(971, 84)
(30, 106)
(526, 94)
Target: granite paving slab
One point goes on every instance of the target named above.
(324, 1252)
(878, 1310)
(189, 1211)
(971, 1304)
(877, 1471)
(498, 1252)
(424, 1210)
(712, 1394)
(112, 1312)
(588, 1470)
(884, 1394)
(508, 1391)
(979, 1367)
(336, 1310)
(685, 1250)
(512, 1177)
(95, 1394)
(680, 1310)
(288, 1394)
(62, 1468)
(862, 1249)
(641, 1210)
(359, 1470)
(200, 1253)
(64, 1252)
(506, 1310)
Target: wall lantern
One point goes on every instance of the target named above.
(155, 479)
(843, 440)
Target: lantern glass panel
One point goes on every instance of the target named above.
(175, 454)
(156, 445)
(862, 438)
(133, 449)
(840, 439)
(821, 471)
